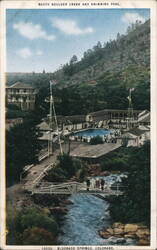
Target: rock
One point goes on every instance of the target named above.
(130, 228)
(131, 236)
(66, 202)
(46, 211)
(130, 241)
(141, 233)
(132, 232)
(105, 234)
(122, 240)
(118, 231)
(117, 224)
(104, 173)
(143, 242)
(59, 210)
(115, 240)
(118, 235)
(110, 230)
(143, 227)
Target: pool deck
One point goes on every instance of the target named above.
(84, 150)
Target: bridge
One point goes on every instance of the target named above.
(70, 188)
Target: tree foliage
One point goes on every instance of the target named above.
(31, 226)
(70, 165)
(22, 149)
(37, 236)
(96, 140)
(66, 168)
(134, 205)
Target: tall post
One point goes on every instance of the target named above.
(130, 110)
(54, 111)
(50, 124)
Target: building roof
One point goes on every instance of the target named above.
(43, 126)
(136, 131)
(144, 112)
(144, 127)
(76, 118)
(145, 118)
(104, 111)
(13, 122)
(45, 137)
(71, 119)
(99, 115)
(20, 85)
(129, 135)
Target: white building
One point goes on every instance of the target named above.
(137, 137)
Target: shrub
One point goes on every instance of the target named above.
(34, 218)
(66, 162)
(57, 175)
(96, 140)
(28, 222)
(38, 236)
(116, 163)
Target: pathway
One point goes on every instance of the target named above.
(37, 172)
(85, 150)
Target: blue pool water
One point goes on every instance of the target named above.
(93, 132)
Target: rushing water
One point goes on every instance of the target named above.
(84, 220)
(87, 215)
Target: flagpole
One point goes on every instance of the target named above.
(50, 134)
(130, 108)
(54, 111)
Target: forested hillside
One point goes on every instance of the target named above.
(102, 78)
(127, 55)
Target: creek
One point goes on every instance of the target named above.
(86, 216)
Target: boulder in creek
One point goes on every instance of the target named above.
(118, 231)
(130, 241)
(59, 210)
(66, 202)
(143, 242)
(118, 225)
(121, 240)
(130, 228)
(115, 240)
(142, 227)
(142, 233)
(110, 230)
(130, 235)
(105, 234)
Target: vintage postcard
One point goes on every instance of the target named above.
(78, 124)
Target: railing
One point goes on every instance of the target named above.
(42, 174)
(75, 187)
(43, 156)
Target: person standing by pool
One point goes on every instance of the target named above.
(88, 184)
(97, 183)
(92, 183)
(102, 184)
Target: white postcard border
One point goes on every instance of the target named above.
(152, 4)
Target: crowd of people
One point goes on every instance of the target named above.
(96, 184)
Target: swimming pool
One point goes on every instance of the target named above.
(92, 132)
